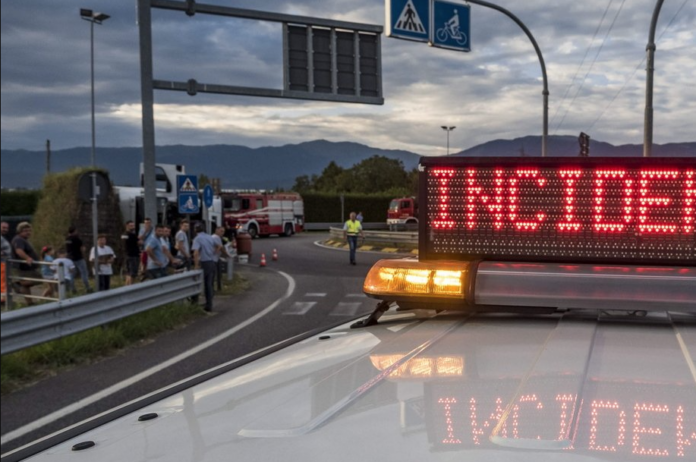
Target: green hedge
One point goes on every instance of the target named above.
(326, 208)
(19, 203)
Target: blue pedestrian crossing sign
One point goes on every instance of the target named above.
(408, 19)
(187, 192)
(451, 25)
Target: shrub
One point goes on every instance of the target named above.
(19, 203)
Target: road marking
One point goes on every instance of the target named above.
(356, 296)
(389, 250)
(299, 308)
(315, 295)
(685, 351)
(366, 248)
(18, 433)
(346, 309)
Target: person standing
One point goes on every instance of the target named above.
(157, 260)
(130, 240)
(6, 254)
(351, 230)
(6, 247)
(146, 230)
(205, 251)
(68, 268)
(182, 245)
(76, 250)
(359, 217)
(104, 256)
(23, 250)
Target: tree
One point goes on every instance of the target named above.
(375, 175)
(379, 173)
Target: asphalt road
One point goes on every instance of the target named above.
(307, 288)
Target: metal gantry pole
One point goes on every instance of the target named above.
(545, 93)
(650, 68)
(148, 101)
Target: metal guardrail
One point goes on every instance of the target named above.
(9, 291)
(36, 325)
(382, 237)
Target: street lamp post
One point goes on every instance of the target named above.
(94, 18)
(448, 130)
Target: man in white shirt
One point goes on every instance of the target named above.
(182, 244)
(104, 258)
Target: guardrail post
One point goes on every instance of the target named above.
(61, 282)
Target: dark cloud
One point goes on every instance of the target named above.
(45, 74)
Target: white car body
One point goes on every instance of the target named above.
(420, 387)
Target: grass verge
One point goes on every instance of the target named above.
(22, 368)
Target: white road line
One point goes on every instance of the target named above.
(299, 308)
(356, 296)
(10, 436)
(346, 309)
(315, 295)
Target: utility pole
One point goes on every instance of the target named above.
(650, 68)
(48, 156)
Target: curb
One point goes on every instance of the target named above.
(340, 245)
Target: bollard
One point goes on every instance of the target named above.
(230, 269)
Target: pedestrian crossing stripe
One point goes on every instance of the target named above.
(409, 20)
(188, 186)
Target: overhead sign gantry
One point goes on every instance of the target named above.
(324, 60)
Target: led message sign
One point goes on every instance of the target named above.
(637, 210)
(616, 420)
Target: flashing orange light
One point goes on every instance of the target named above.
(411, 278)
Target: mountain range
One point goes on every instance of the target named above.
(242, 167)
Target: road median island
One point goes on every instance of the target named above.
(23, 368)
(367, 246)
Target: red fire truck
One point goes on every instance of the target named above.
(403, 214)
(261, 213)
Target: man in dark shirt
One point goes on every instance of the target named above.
(76, 248)
(23, 250)
(130, 241)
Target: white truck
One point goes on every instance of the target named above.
(132, 203)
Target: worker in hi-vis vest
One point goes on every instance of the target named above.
(351, 230)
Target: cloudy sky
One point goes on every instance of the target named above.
(594, 52)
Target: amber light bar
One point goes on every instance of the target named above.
(521, 284)
(397, 279)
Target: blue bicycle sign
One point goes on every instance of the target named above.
(451, 23)
(451, 31)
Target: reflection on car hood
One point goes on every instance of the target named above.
(444, 388)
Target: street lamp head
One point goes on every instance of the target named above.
(448, 129)
(93, 16)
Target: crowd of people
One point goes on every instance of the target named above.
(150, 252)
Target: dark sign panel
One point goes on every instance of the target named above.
(333, 64)
(637, 210)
